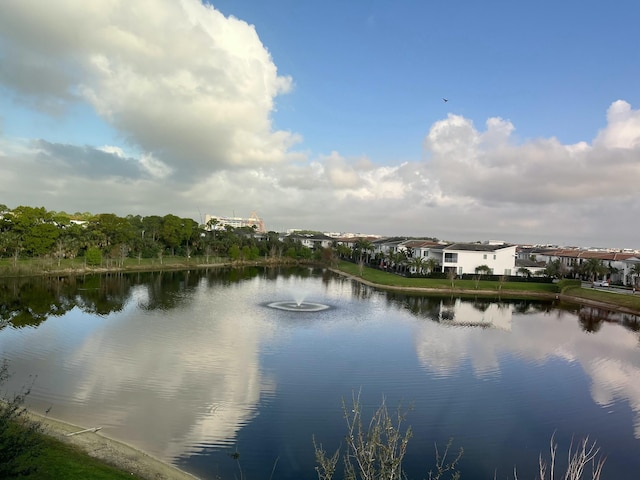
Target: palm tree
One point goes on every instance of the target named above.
(593, 268)
(362, 249)
(398, 260)
(525, 272)
(417, 263)
(483, 270)
(555, 269)
(480, 270)
(431, 264)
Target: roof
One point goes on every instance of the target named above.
(477, 247)
(529, 263)
(420, 243)
(571, 253)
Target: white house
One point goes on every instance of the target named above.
(466, 257)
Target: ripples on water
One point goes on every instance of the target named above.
(193, 367)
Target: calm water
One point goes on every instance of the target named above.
(193, 367)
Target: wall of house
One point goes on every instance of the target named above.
(503, 263)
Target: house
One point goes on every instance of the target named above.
(466, 257)
(313, 241)
(619, 264)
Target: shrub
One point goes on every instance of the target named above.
(93, 256)
(20, 438)
(377, 452)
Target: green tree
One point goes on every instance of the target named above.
(171, 231)
(151, 226)
(343, 250)
(362, 250)
(40, 239)
(431, 264)
(115, 230)
(593, 268)
(482, 270)
(525, 272)
(234, 252)
(555, 269)
(35, 228)
(93, 256)
(417, 263)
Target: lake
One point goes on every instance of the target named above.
(197, 369)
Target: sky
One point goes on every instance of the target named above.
(330, 115)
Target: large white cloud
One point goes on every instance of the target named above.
(177, 79)
(490, 168)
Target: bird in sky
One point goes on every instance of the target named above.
(445, 100)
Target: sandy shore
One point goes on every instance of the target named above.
(113, 452)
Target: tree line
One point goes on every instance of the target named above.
(29, 232)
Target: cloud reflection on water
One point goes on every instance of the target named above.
(610, 358)
(172, 380)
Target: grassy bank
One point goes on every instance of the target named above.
(608, 299)
(45, 266)
(58, 460)
(624, 300)
(386, 279)
(378, 278)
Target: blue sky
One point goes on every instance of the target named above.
(379, 70)
(330, 115)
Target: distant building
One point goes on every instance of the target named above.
(236, 222)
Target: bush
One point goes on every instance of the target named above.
(93, 256)
(20, 438)
(377, 452)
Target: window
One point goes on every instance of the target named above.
(484, 257)
(494, 257)
(507, 272)
(451, 257)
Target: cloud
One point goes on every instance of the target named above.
(88, 161)
(179, 80)
(490, 168)
(623, 128)
(190, 94)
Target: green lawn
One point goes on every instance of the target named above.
(38, 266)
(383, 279)
(60, 461)
(621, 299)
(390, 279)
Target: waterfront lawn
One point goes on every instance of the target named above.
(59, 461)
(42, 265)
(379, 277)
(620, 299)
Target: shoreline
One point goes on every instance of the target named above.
(123, 456)
(84, 270)
(492, 293)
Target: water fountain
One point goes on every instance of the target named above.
(292, 306)
(298, 304)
